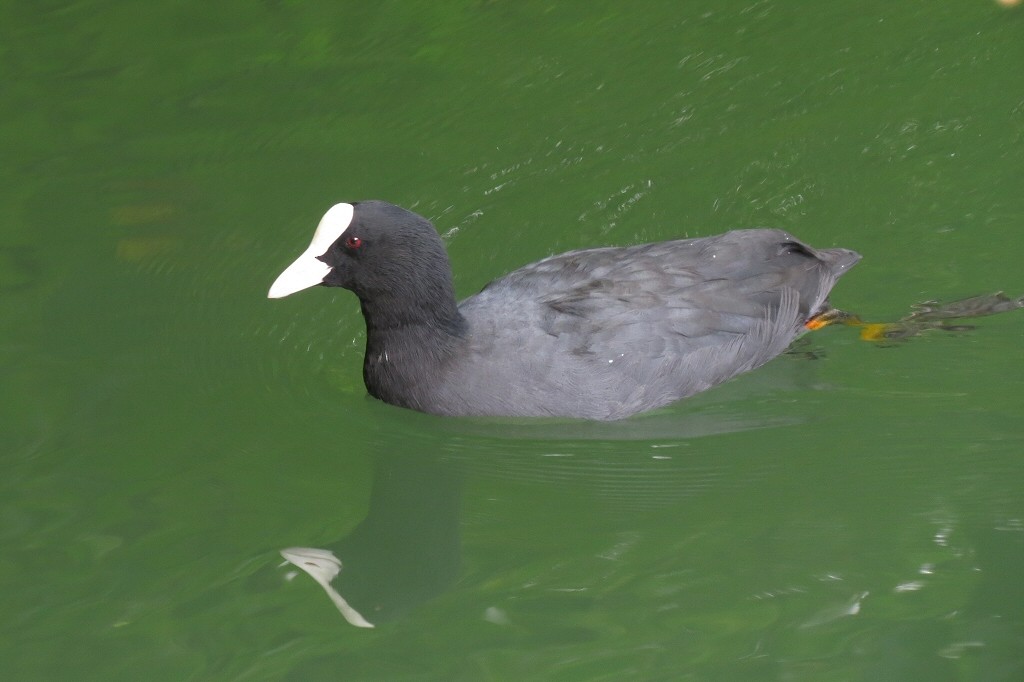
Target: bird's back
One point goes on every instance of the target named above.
(605, 333)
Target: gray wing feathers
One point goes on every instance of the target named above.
(604, 333)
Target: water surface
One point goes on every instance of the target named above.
(851, 511)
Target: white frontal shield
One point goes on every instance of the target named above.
(307, 270)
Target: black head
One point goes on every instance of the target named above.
(391, 258)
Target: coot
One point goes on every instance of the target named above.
(598, 333)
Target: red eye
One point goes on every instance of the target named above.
(353, 242)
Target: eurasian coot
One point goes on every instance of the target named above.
(598, 333)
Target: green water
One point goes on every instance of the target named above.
(849, 512)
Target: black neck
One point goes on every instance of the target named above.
(398, 310)
(408, 350)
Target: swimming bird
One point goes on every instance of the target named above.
(601, 333)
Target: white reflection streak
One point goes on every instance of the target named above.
(323, 567)
(909, 586)
(852, 608)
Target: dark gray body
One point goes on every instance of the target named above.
(599, 333)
